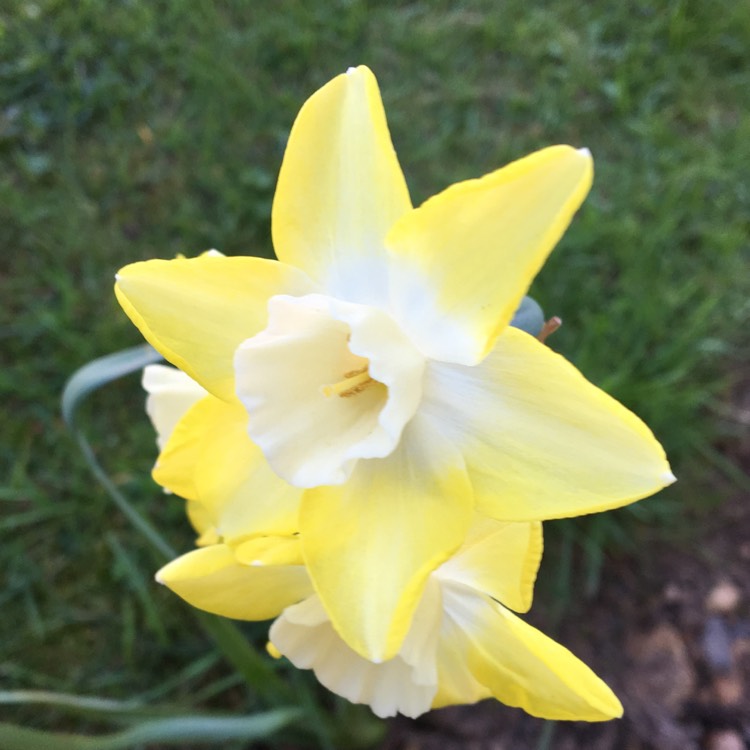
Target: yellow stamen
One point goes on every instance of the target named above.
(355, 381)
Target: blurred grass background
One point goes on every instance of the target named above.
(142, 129)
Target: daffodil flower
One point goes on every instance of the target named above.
(377, 367)
(462, 644)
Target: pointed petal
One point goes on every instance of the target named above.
(340, 189)
(211, 458)
(501, 559)
(170, 394)
(467, 256)
(524, 668)
(371, 543)
(211, 579)
(539, 440)
(197, 311)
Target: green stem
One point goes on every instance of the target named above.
(228, 638)
(127, 509)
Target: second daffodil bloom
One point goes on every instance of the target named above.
(207, 458)
(375, 366)
(462, 644)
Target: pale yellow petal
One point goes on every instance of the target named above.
(197, 311)
(501, 559)
(170, 394)
(521, 666)
(465, 258)
(211, 456)
(371, 543)
(340, 189)
(233, 477)
(539, 440)
(211, 579)
(456, 684)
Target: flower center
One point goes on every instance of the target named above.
(325, 384)
(354, 382)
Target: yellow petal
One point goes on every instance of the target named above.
(211, 457)
(202, 520)
(170, 394)
(521, 666)
(211, 579)
(175, 467)
(539, 440)
(467, 256)
(501, 559)
(197, 311)
(371, 543)
(270, 550)
(340, 189)
(456, 684)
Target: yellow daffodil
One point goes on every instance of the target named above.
(462, 644)
(377, 367)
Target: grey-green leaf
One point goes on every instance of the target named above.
(528, 317)
(101, 371)
(232, 643)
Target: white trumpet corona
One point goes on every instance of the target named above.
(327, 383)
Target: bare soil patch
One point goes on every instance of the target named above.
(670, 632)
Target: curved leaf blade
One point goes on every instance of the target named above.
(101, 371)
(255, 668)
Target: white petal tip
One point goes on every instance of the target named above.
(351, 70)
(158, 578)
(669, 478)
(117, 277)
(256, 563)
(585, 152)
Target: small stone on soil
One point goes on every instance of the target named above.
(726, 739)
(728, 689)
(723, 598)
(717, 645)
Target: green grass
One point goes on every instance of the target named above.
(152, 128)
